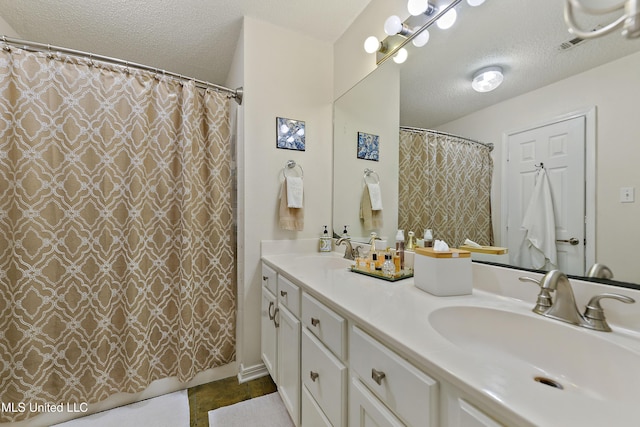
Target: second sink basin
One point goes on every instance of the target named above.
(550, 352)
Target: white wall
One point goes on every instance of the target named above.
(372, 106)
(613, 89)
(5, 29)
(286, 74)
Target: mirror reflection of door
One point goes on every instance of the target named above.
(560, 148)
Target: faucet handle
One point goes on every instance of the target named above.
(544, 301)
(594, 313)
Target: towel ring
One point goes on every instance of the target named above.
(368, 172)
(290, 165)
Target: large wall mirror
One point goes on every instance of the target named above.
(549, 77)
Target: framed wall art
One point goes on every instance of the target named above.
(290, 134)
(368, 146)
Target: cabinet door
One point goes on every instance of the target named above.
(269, 338)
(365, 410)
(289, 361)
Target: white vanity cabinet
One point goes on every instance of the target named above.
(324, 371)
(409, 393)
(280, 325)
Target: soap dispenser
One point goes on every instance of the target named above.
(325, 241)
(345, 232)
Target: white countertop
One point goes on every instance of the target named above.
(398, 313)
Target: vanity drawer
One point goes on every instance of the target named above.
(269, 278)
(312, 415)
(289, 295)
(407, 391)
(329, 327)
(325, 377)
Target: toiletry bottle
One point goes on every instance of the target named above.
(373, 262)
(396, 261)
(411, 243)
(400, 247)
(388, 269)
(325, 241)
(428, 238)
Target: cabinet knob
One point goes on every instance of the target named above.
(377, 376)
(314, 376)
(265, 278)
(314, 321)
(283, 293)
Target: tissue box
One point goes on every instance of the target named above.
(443, 273)
(488, 253)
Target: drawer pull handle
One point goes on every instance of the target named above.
(314, 321)
(271, 305)
(275, 321)
(283, 293)
(377, 376)
(265, 278)
(314, 376)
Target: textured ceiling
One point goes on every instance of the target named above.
(196, 38)
(523, 37)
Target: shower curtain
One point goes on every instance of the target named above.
(117, 248)
(445, 185)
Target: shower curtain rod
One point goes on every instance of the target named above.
(41, 47)
(486, 144)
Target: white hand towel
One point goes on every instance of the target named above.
(376, 196)
(540, 226)
(294, 192)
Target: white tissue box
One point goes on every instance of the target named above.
(443, 273)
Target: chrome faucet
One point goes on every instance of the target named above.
(350, 252)
(563, 307)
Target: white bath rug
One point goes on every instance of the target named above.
(169, 410)
(264, 411)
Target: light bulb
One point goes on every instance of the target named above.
(401, 56)
(417, 7)
(447, 20)
(393, 25)
(371, 44)
(487, 79)
(475, 3)
(421, 39)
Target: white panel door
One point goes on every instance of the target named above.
(560, 147)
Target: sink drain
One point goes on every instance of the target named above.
(548, 382)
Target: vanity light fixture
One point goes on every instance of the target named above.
(401, 56)
(629, 21)
(394, 25)
(373, 45)
(447, 20)
(474, 3)
(419, 7)
(421, 39)
(487, 79)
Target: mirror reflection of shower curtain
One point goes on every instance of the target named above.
(445, 185)
(117, 249)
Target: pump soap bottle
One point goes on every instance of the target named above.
(325, 241)
(400, 247)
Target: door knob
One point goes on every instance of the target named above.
(572, 241)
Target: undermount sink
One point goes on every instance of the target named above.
(550, 352)
(322, 262)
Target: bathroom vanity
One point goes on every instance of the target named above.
(349, 350)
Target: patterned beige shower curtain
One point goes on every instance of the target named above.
(445, 185)
(117, 249)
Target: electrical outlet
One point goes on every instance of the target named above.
(627, 195)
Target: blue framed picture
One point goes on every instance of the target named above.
(368, 146)
(290, 134)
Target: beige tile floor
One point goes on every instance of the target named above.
(228, 391)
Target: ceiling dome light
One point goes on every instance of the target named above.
(372, 44)
(421, 39)
(474, 3)
(447, 20)
(418, 7)
(487, 79)
(401, 56)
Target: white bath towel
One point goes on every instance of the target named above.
(295, 190)
(376, 196)
(538, 249)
